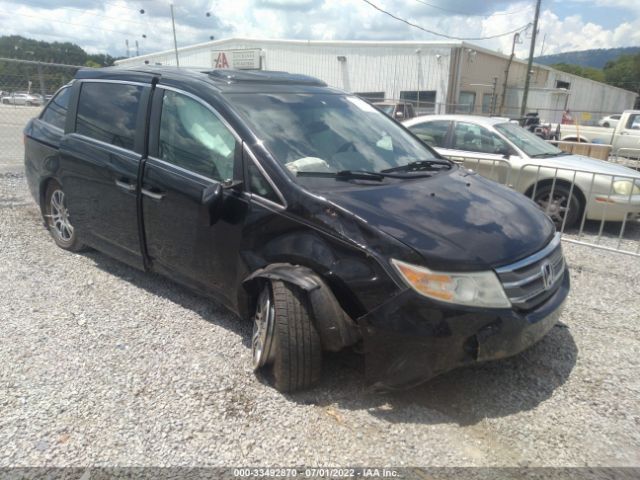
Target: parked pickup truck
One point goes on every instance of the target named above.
(626, 135)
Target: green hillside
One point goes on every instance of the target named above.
(596, 58)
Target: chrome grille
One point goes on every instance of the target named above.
(530, 281)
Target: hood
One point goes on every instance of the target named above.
(455, 220)
(581, 162)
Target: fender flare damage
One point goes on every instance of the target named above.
(337, 330)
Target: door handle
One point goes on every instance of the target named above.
(129, 187)
(154, 195)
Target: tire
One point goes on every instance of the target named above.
(561, 204)
(58, 219)
(285, 343)
(606, 124)
(29, 104)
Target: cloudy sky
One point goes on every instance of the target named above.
(103, 26)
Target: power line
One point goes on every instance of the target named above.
(451, 37)
(89, 12)
(475, 15)
(93, 27)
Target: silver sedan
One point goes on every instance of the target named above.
(568, 187)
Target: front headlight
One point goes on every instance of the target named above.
(626, 187)
(478, 289)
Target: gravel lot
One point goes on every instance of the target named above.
(13, 118)
(103, 365)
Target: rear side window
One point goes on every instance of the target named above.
(474, 138)
(108, 112)
(431, 133)
(56, 112)
(192, 137)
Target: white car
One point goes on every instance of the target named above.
(609, 121)
(503, 151)
(22, 99)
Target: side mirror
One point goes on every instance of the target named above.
(212, 202)
(506, 153)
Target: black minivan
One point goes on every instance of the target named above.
(302, 207)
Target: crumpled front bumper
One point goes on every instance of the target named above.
(410, 339)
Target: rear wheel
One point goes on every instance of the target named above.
(560, 205)
(606, 124)
(285, 343)
(59, 220)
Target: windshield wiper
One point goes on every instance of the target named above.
(549, 155)
(358, 175)
(418, 166)
(344, 175)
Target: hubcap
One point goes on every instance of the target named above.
(263, 325)
(59, 217)
(555, 207)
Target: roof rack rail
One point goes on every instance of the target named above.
(263, 76)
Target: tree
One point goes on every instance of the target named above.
(624, 72)
(586, 72)
(15, 46)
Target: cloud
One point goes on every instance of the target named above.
(104, 26)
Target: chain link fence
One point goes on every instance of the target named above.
(594, 209)
(612, 220)
(25, 87)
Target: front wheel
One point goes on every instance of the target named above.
(606, 124)
(284, 341)
(560, 205)
(58, 219)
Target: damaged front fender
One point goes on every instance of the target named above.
(336, 329)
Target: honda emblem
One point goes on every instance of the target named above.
(547, 275)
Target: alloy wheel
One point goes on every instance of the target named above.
(59, 217)
(555, 207)
(263, 326)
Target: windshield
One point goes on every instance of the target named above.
(328, 133)
(528, 142)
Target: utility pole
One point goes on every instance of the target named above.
(137, 49)
(126, 42)
(532, 51)
(516, 37)
(493, 96)
(175, 42)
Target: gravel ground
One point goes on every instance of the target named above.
(103, 365)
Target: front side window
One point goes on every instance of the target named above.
(56, 111)
(432, 133)
(194, 138)
(328, 132)
(474, 138)
(259, 185)
(108, 112)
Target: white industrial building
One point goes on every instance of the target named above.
(440, 77)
